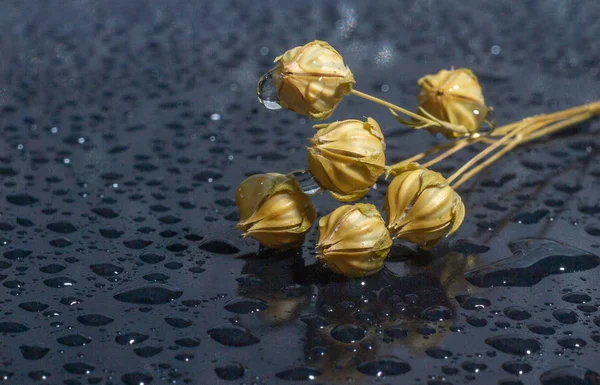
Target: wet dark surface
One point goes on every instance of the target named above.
(126, 127)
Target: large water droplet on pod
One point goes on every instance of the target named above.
(489, 124)
(267, 89)
(307, 182)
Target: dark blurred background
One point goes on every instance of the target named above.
(126, 126)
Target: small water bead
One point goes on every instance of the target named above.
(576, 298)
(469, 302)
(177, 322)
(267, 89)
(517, 367)
(34, 307)
(136, 378)
(565, 316)
(149, 295)
(384, 366)
(39, 375)
(541, 329)
(299, 374)
(566, 375)
(147, 351)
(436, 313)
(33, 352)
(74, 340)
(12, 327)
(477, 321)
(348, 333)
(246, 305)
(440, 354)
(516, 313)
(396, 332)
(233, 335)
(188, 342)
(474, 367)
(94, 320)
(514, 345)
(78, 368)
(572, 343)
(131, 338)
(230, 372)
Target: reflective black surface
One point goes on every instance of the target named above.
(126, 127)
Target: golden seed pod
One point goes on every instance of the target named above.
(353, 240)
(421, 206)
(274, 210)
(347, 157)
(455, 97)
(312, 79)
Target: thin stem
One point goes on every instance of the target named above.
(394, 107)
(459, 146)
(484, 153)
(487, 163)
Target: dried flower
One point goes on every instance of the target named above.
(455, 97)
(353, 240)
(312, 79)
(347, 157)
(274, 210)
(421, 206)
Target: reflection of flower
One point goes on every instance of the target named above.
(353, 240)
(380, 313)
(273, 277)
(347, 157)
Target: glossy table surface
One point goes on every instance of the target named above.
(126, 127)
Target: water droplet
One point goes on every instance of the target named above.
(474, 367)
(565, 316)
(94, 320)
(440, 354)
(230, 372)
(136, 378)
(514, 345)
(177, 322)
(107, 270)
(21, 199)
(137, 244)
(147, 351)
(188, 342)
(576, 298)
(34, 307)
(246, 305)
(348, 333)
(516, 313)
(61, 227)
(33, 352)
(267, 89)
(131, 338)
(436, 313)
(233, 335)
(74, 340)
(384, 366)
(478, 322)
(472, 303)
(59, 282)
(307, 182)
(78, 368)
(567, 375)
(541, 330)
(219, 247)
(572, 343)
(149, 295)
(299, 374)
(533, 260)
(517, 367)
